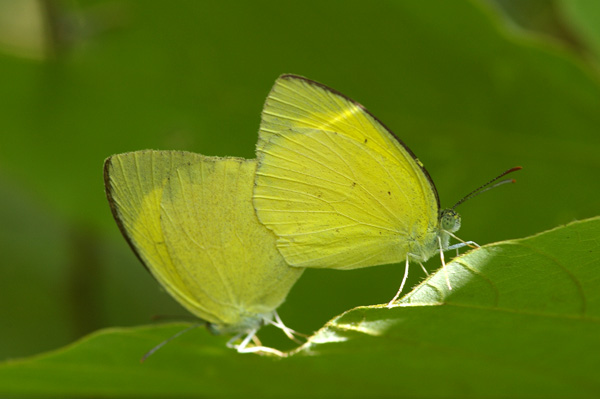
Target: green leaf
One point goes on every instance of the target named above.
(522, 320)
(470, 96)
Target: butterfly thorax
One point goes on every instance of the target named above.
(437, 237)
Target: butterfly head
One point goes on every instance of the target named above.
(449, 220)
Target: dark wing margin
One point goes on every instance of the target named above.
(108, 188)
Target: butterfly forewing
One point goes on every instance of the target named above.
(134, 183)
(333, 184)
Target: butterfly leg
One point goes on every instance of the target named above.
(444, 264)
(471, 244)
(231, 342)
(391, 303)
(286, 330)
(262, 349)
(258, 348)
(462, 243)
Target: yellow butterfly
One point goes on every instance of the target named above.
(339, 189)
(189, 219)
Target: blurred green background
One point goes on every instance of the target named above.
(473, 87)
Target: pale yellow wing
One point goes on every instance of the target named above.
(334, 184)
(225, 257)
(134, 186)
(189, 218)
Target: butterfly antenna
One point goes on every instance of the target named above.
(487, 186)
(171, 338)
